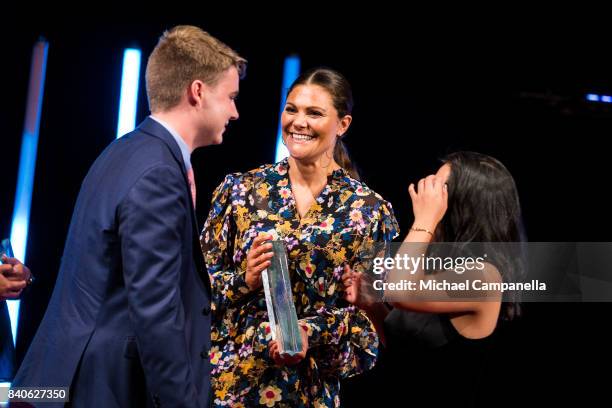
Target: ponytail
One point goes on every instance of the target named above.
(342, 157)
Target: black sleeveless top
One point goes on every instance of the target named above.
(428, 363)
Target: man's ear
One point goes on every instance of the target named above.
(195, 93)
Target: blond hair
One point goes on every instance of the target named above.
(183, 55)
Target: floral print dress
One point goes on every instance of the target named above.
(345, 219)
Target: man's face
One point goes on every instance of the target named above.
(218, 107)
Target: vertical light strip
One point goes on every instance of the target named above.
(27, 165)
(291, 71)
(128, 100)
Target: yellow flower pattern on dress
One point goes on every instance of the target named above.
(342, 341)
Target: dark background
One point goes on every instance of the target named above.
(515, 92)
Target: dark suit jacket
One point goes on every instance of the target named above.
(128, 323)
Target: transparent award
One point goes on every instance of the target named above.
(6, 249)
(279, 302)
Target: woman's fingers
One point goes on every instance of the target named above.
(411, 191)
(347, 276)
(259, 250)
(259, 264)
(286, 359)
(257, 261)
(260, 239)
(430, 182)
(259, 268)
(257, 258)
(263, 258)
(259, 246)
(273, 346)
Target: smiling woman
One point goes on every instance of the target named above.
(326, 218)
(316, 117)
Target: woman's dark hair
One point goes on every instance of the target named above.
(483, 207)
(342, 98)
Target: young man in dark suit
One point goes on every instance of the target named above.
(128, 323)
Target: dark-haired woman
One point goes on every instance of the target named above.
(437, 343)
(315, 203)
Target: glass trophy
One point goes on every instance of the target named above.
(279, 302)
(6, 249)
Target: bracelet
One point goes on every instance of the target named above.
(422, 230)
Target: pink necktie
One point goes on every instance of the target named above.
(192, 185)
